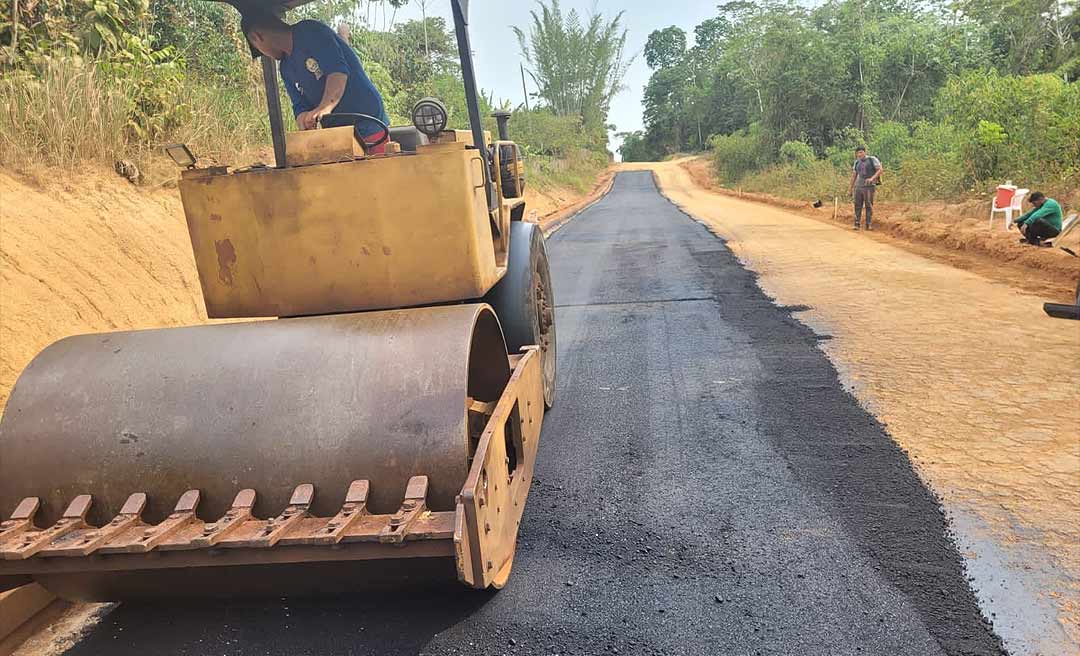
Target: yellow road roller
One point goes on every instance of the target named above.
(381, 428)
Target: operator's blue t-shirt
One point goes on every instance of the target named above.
(317, 52)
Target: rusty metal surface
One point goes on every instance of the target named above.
(377, 233)
(81, 560)
(493, 497)
(247, 541)
(323, 146)
(265, 405)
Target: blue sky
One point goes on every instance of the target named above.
(497, 54)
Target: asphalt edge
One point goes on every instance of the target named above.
(551, 225)
(950, 532)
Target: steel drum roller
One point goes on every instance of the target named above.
(264, 405)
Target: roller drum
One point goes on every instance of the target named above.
(266, 405)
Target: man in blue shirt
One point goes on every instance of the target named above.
(321, 72)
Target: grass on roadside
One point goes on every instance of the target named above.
(914, 181)
(577, 172)
(69, 113)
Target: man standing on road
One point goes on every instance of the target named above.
(1042, 222)
(864, 180)
(320, 70)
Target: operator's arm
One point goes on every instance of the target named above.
(854, 176)
(325, 49)
(335, 89)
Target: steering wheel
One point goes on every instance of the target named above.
(347, 118)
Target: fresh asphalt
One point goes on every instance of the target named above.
(705, 485)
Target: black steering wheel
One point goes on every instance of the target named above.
(347, 118)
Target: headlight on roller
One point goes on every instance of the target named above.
(430, 116)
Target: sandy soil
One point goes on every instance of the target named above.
(88, 253)
(949, 233)
(967, 373)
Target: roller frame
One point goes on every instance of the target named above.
(480, 534)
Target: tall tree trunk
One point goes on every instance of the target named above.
(427, 43)
(14, 31)
(524, 89)
(903, 92)
(862, 80)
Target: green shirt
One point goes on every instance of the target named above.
(1050, 212)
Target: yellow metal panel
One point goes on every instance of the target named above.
(323, 146)
(459, 136)
(369, 234)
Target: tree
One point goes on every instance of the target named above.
(206, 34)
(423, 16)
(634, 147)
(356, 13)
(1027, 36)
(665, 47)
(665, 102)
(407, 55)
(32, 31)
(577, 65)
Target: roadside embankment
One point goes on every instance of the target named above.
(957, 234)
(88, 252)
(966, 373)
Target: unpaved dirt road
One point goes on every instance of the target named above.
(706, 485)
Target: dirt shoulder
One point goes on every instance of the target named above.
(967, 374)
(571, 204)
(947, 233)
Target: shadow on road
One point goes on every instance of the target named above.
(391, 624)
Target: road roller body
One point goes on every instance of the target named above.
(381, 427)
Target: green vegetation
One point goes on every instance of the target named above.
(951, 96)
(578, 66)
(102, 80)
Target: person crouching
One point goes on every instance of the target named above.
(1042, 222)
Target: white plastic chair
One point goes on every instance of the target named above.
(1017, 205)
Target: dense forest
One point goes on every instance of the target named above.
(85, 80)
(949, 94)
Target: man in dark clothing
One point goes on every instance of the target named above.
(864, 180)
(321, 72)
(1042, 222)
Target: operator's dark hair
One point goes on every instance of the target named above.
(261, 19)
(858, 149)
(1038, 195)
